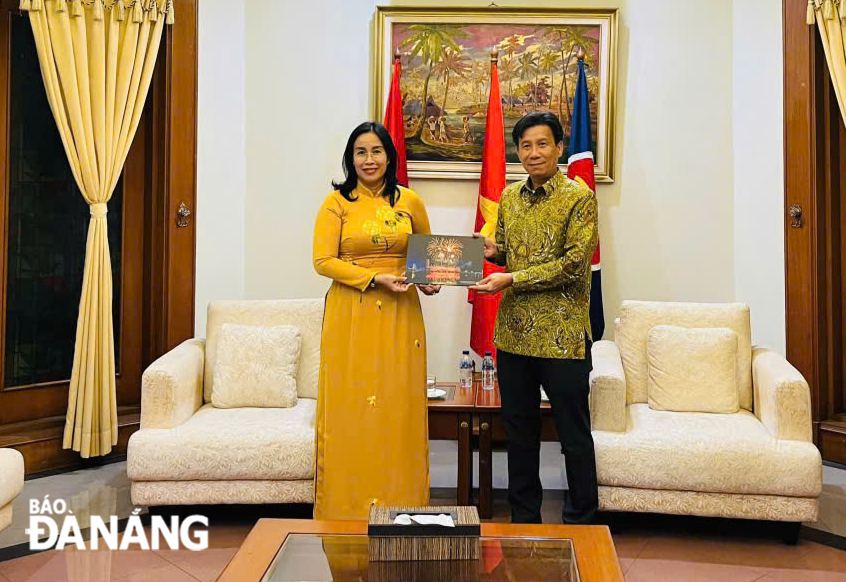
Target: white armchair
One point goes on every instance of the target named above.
(11, 483)
(758, 463)
(188, 452)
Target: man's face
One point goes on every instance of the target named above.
(539, 153)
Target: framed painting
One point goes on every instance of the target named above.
(446, 57)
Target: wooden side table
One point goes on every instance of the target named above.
(491, 429)
(452, 419)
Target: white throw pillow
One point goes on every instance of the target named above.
(256, 366)
(692, 369)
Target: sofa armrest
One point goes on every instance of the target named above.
(607, 388)
(11, 475)
(172, 387)
(782, 396)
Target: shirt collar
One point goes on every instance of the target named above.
(550, 185)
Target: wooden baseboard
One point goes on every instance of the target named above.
(40, 442)
(833, 441)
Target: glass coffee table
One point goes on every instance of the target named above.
(314, 551)
(343, 558)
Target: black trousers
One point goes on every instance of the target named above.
(567, 384)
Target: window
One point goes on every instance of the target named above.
(47, 231)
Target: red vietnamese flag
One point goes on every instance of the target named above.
(394, 122)
(491, 183)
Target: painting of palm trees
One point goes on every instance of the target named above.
(445, 82)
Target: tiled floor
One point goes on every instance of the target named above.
(102, 491)
(691, 550)
(71, 565)
(649, 549)
(656, 556)
(833, 502)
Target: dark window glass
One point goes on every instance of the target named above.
(48, 226)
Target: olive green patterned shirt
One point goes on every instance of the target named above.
(546, 238)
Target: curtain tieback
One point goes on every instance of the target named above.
(98, 210)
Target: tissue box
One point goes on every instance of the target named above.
(393, 543)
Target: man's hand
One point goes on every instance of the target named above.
(491, 249)
(493, 283)
(429, 289)
(392, 283)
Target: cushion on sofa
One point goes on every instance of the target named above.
(638, 317)
(305, 314)
(716, 453)
(256, 366)
(228, 444)
(692, 369)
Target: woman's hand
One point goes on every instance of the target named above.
(491, 249)
(429, 289)
(392, 283)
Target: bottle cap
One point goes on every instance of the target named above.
(488, 353)
(466, 352)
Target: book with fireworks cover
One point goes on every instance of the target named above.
(445, 260)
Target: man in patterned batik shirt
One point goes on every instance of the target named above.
(545, 235)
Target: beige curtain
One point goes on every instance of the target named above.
(97, 60)
(830, 17)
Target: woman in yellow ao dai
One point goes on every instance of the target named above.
(372, 430)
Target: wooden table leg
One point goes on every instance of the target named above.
(465, 459)
(485, 467)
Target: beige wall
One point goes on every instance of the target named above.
(221, 155)
(695, 214)
(758, 116)
(666, 224)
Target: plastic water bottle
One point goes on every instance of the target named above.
(488, 372)
(465, 370)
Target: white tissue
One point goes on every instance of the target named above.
(426, 519)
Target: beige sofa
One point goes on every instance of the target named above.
(11, 483)
(759, 463)
(188, 452)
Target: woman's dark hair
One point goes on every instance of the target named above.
(348, 185)
(538, 118)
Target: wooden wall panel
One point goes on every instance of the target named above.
(182, 172)
(815, 158)
(800, 186)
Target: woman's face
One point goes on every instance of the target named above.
(370, 159)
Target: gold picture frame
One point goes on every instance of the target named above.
(532, 44)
